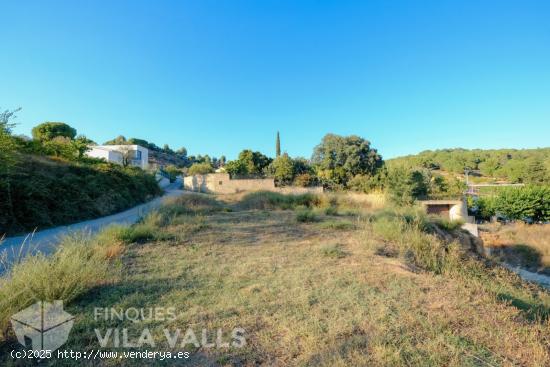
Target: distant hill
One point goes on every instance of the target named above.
(510, 165)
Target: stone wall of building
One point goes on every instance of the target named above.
(221, 183)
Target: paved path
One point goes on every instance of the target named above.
(45, 241)
(541, 279)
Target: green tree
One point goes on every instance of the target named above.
(536, 172)
(278, 146)
(173, 172)
(8, 148)
(489, 167)
(81, 145)
(282, 169)
(236, 168)
(166, 149)
(248, 163)
(200, 169)
(61, 147)
(119, 140)
(50, 130)
(182, 152)
(340, 158)
(406, 185)
(531, 202)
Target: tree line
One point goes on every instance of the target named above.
(513, 165)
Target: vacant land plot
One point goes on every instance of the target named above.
(339, 288)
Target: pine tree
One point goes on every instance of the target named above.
(278, 146)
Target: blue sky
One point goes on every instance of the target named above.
(221, 76)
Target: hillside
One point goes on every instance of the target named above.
(510, 165)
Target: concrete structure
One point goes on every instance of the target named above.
(137, 155)
(450, 209)
(221, 183)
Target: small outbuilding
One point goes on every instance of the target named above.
(449, 209)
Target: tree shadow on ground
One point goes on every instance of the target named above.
(531, 311)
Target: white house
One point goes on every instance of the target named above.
(135, 154)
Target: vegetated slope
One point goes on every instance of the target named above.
(43, 192)
(513, 165)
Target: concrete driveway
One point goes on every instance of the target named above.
(45, 241)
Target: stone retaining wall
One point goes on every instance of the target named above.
(221, 183)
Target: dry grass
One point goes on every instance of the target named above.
(310, 294)
(520, 244)
(79, 263)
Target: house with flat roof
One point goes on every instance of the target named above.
(131, 155)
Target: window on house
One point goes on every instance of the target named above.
(220, 182)
(138, 155)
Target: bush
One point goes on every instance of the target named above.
(305, 180)
(273, 200)
(306, 216)
(331, 210)
(446, 224)
(483, 207)
(138, 233)
(190, 204)
(408, 232)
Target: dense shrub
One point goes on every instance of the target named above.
(306, 216)
(530, 202)
(340, 158)
(190, 204)
(406, 185)
(45, 192)
(305, 180)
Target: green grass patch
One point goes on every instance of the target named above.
(334, 251)
(339, 225)
(331, 210)
(306, 216)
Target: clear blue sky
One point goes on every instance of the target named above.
(221, 76)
